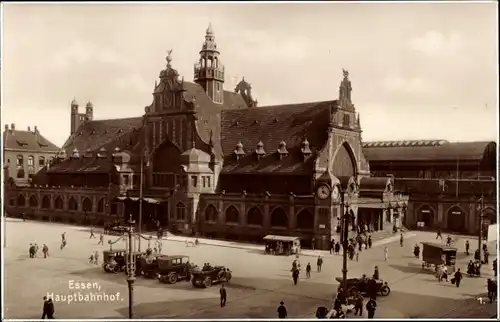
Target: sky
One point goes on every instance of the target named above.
(418, 70)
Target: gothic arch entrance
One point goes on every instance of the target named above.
(344, 162)
(456, 219)
(425, 215)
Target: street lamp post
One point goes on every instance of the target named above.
(345, 241)
(480, 237)
(130, 269)
(141, 183)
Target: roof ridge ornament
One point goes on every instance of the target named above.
(169, 57)
(306, 149)
(282, 151)
(239, 152)
(259, 151)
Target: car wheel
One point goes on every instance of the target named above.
(207, 282)
(172, 278)
(385, 290)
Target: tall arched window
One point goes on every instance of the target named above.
(21, 201)
(180, 210)
(211, 214)
(87, 205)
(305, 220)
(31, 161)
(72, 204)
(46, 202)
(20, 160)
(59, 203)
(232, 215)
(101, 205)
(33, 202)
(279, 218)
(255, 217)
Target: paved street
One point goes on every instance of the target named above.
(259, 281)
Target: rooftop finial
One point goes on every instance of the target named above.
(210, 30)
(169, 57)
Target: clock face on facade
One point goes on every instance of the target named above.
(335, 193)
(323, 192)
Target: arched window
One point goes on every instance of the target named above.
(20, 161)
(232, 215)
(59, 203)
(41, 161)
(46, 202)
(255, 217)
(100, 205)
(211, 214)
(33, 202)
(279, 218)
(426, 215)
(87, 205)
(305, 220)
(31, 161)
(72, 204)
(180, 210)
(21, 201)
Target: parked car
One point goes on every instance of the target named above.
(205, 277)
(172, 269)
(355, 285)
(149, 265)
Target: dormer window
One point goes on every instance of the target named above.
(239, 152)
(75, 154)
(306, 150)
(282, 151)
(259, 152)
(102, 153)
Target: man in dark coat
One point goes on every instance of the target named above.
(282, 313)
(492, 290)
(223, 295)
(369, 241)
(458, 277)
(48, 308)
(371, 306)
(358, 306)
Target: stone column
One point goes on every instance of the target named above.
(267, 214)
(243, 214)
(292, 218)
(220, 214)
(440, 216)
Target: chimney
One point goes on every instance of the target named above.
(36, 130)
(13, 127)
(6, 127)
(29, 128)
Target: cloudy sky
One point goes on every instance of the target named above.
(418, 71)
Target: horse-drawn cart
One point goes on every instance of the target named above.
(434, 254)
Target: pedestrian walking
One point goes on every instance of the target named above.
(223, 295)
(282, 313)
(332, 246)
(401, 241)
(101, 240)
(48, 308)
(467, 247)
(308, 270)
(486, 256)
(369, 241)
(386, 253)
(438, 234)
(371, 306)
(92, 232)
(319, 263)
(358, 306)
(313, 243)
(32, 251)
(96, 257)
(458, 277)
(357, 256)
(337, 248)
(91, 258)
(45, 250)
(495, 267)
(295, 276)
(492, 290)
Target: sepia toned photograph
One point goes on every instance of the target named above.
(249, 160)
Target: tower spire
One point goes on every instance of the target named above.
(209, 72)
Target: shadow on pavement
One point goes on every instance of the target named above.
(411, 269)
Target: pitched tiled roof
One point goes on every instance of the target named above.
(446, 187)
(27, 140)
(271, 125)
(373, 183)
(82, 165)
(233, 100)
(95, 134)
(425, 150)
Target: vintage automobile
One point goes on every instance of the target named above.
(113, 260)
(172, 269)
(115, 230)
(138, 261)
(355, 285)
(205, 277)
(148, 266)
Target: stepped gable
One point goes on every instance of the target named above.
(27, 140)
(93, 135)
(436, 150)
(271, 125)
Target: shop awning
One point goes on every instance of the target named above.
(148, 200)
